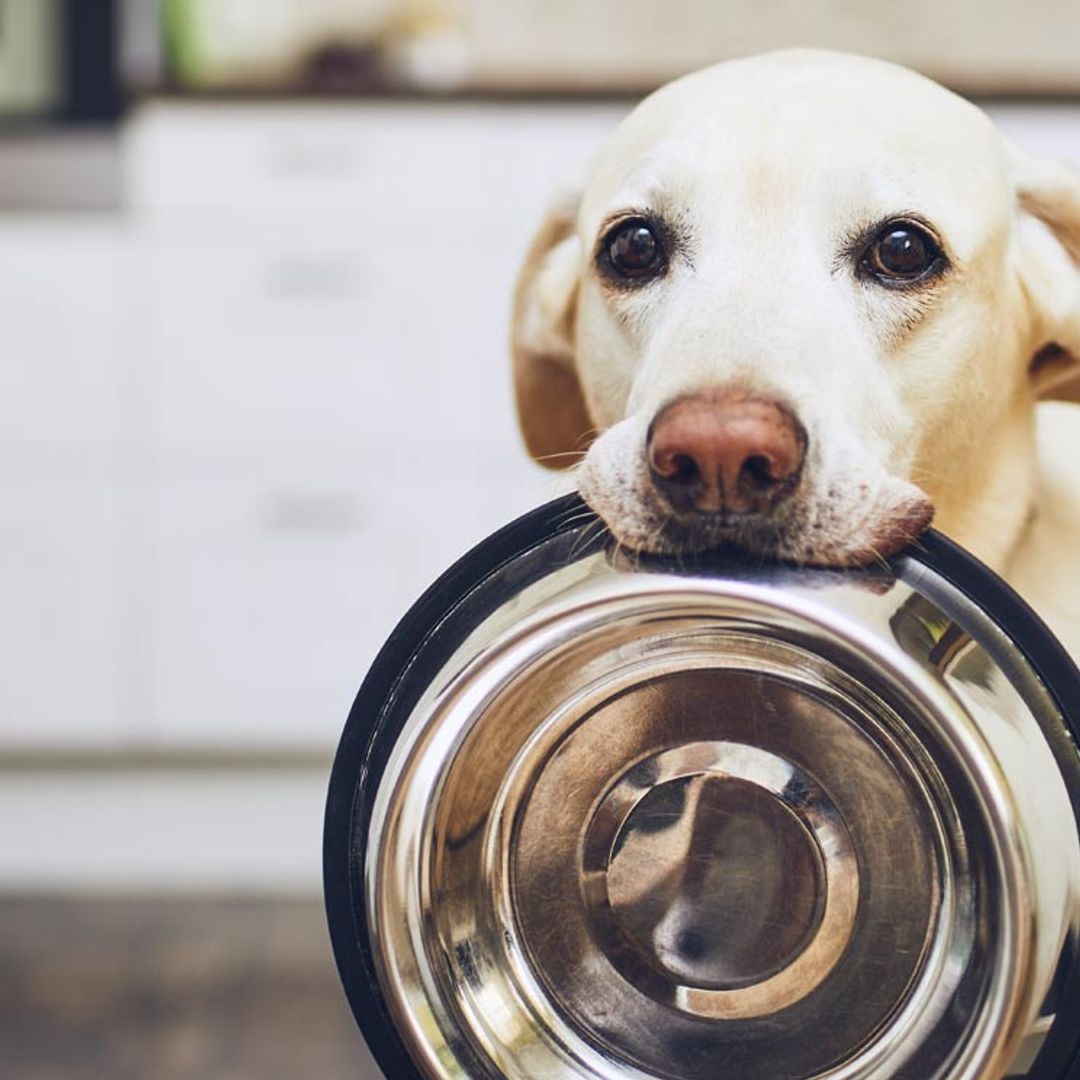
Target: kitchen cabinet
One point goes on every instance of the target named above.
(278, 575)
(62, 497)
(325, 298)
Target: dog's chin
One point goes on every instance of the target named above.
(825, 534)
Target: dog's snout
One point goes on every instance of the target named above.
(724, 451)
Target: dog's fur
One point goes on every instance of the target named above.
(915, 401)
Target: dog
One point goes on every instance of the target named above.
(804, 304)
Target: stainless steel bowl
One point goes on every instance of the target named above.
(594, 817)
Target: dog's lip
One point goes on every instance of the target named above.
(723, 524)
(705, 530)
(770, 537)
(722, 518)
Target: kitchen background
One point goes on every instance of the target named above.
(255, 266)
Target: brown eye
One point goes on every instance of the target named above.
(633, 250)
(902, 252)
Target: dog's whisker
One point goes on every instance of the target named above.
(919, 474)
(586, 437)
(575, 514)
(575, 454)
(589, 534)
(878, 557)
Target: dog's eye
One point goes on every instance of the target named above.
(902, 252)
(632, 250)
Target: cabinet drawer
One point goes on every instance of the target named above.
(319, 338)
(279, 578)
(368, 159)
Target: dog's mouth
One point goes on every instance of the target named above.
(857, 526)
(802, 542)
(683, 533)
(842, 509)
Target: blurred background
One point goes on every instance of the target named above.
(256, 259)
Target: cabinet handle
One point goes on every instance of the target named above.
(310, 512)
(315, 277)
(301, 159)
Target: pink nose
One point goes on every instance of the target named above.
(725, 451)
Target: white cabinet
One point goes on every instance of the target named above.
(279, 576)
(273, 592)
(61, 496)
(333, 428)
(246, 423)
(378, 159)
(325, 335)
(333, 415)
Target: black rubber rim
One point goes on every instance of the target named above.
(435, 625)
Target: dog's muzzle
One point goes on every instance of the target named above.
(594, 819)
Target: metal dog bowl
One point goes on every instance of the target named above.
(595, 818)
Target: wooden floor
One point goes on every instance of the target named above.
(172, 990)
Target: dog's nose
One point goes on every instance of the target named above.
(725, 451)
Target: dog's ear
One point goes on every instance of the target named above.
(551, 407)
(1048, 202)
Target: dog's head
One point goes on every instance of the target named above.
(803, 301)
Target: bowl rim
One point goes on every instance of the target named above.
(365, 743)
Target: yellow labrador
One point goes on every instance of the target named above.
(804, 303)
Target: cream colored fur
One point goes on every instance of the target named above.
(769, 166)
